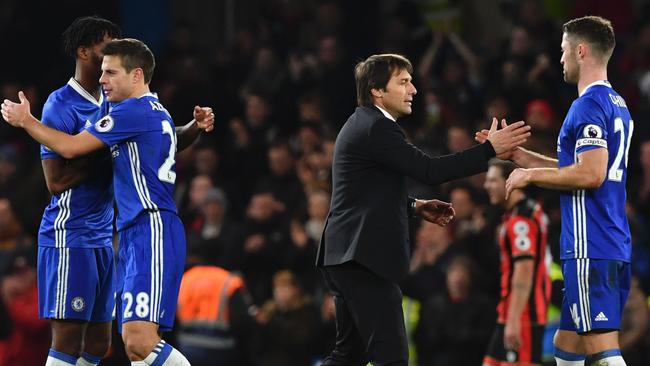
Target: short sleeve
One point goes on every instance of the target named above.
(522, 235)
(590, 127)
(60, 118)
(120, 125)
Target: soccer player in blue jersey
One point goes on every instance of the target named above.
(142, 140)
(75, 264)
(591, 170)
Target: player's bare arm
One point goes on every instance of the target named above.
(61, 174)
(522, 284)
(68, 146)
(203, 121)
(520, 156)
(588, 173)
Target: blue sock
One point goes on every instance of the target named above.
(56, 358)
(564, 358)
(88, 359)
(610, 357)
(160, 353)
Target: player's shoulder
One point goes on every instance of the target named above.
(603, 95)
(59, 98)
(139, 106)
(128, 108)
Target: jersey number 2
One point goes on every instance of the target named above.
(616, 171)
(165, 172)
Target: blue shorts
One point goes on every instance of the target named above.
(595, 291)
(76, 283)
(151, 260)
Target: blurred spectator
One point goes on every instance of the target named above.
(634, 65)
(214, 325)
(315, 169)
(266, 239)
(531, 16)
(12, 236)
(641, 195)
(23, 181)
(466, 223)
(635, 324)
(459, 138)
(283, 182)
(308, 138)
(318, 204)
(191, 210)
(428, 262)
(450, 69)
(289, 325)
(305, 238)
(333, 81)
(29, 338)
(455, 326)
(268, 76)
(541, 117)
(213, 237)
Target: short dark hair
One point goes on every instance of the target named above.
(505, 166)
(375, 72)
(88, 31)
(597, 31)
(134, 54)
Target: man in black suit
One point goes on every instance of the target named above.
(364, 250)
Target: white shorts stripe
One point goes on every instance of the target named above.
(63, 262)
(583, 293)
(584, 224)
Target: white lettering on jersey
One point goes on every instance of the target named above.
(156, 106)
(618, 100)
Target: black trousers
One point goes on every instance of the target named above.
(369, 318)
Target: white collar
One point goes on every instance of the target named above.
(84, 93)
(149, 94)
(597, 82)
(386, 113)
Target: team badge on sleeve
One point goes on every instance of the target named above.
(592, 135)
(592, 132)
(105, 124)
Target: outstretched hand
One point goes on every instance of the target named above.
(16, 113)
(519, 178)
(204, 118)
(506, 139)
(435, 211)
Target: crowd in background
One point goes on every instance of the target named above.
(254, 194)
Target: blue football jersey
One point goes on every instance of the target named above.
(142, 138)
(81, 217)
(594, 224)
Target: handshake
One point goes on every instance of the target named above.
(504, 140)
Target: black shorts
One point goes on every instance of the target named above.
(529, 352)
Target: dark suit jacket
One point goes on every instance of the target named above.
(368, 218)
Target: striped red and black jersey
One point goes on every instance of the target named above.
(523, 235)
